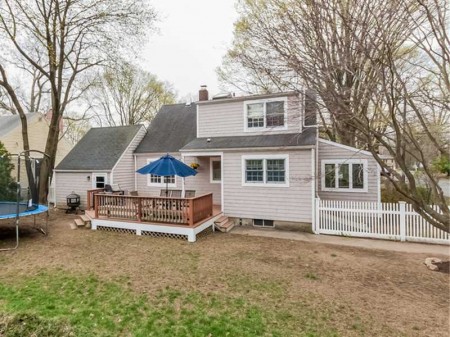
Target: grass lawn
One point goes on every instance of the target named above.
(87, 283)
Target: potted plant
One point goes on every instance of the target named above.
(195, 165)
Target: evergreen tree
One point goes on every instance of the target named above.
(7, 185)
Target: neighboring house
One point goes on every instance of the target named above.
(102, 156)
(38, 126)
(255, 154)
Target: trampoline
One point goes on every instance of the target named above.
(8, 210)
(19, 198)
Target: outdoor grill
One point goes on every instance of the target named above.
(73, 202)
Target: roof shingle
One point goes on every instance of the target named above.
(100, 148)
(306, 138)
(172, 128)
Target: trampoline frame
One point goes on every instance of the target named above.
(39, 210)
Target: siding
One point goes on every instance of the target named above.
(329, 151)
(123, 172)
(141, 179)
(37, 137)
(68, 182)
(293, 203)
(227, 119)
(200, 182)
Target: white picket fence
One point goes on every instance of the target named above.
(375, 220)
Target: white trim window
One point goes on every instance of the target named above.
(266, 170)
(99, 180)
(266, 114)
(215, 168)
(344, 175)
(159, 181)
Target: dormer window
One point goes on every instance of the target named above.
(268, 114)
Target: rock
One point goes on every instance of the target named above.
(430, 263)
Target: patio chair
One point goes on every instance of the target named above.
(108, 188)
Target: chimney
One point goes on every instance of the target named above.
(310, 107)
(49, 116)
(203, 93)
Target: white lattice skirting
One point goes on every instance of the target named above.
(155, 230)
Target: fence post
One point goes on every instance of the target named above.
(402, 208)
(316, 220)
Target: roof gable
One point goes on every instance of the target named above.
(172, 128)
(9, 123)
(99, 149)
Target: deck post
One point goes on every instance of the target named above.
(88, 200)
(96, 196)
(191, 212)
(139, 215)
(192, 237)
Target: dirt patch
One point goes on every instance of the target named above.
(366, 292)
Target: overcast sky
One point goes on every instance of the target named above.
(194, 36)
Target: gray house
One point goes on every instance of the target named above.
(102, 156)
(259, 156)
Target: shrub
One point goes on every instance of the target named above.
(442, 164)
(7, 185)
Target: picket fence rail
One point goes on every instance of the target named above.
(391, 221)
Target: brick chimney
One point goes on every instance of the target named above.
(49, 116)
(203, 93)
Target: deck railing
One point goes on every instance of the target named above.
(90, 197)
(182, 211)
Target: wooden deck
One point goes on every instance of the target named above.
(154, 216)
(216, 212)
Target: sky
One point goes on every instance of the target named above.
(193, 37)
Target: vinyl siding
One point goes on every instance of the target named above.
(37, 137)
(201, 182)
(141, 179)
(329, 151)
(293, 203)
(68, 182)
(123, 172)
(228, 119)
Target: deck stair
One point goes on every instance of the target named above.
(224, 224)
(82, 221)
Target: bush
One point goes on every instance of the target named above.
(7, 185)
(442, 165)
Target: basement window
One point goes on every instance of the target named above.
(263, 223)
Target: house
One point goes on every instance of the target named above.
(103, 156)
(259, 156)
(38, 126)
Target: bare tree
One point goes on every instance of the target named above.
(380, 69)
(317, 44)
(61, 40)
(125, 94)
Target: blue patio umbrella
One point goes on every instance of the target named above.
(167, 166)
